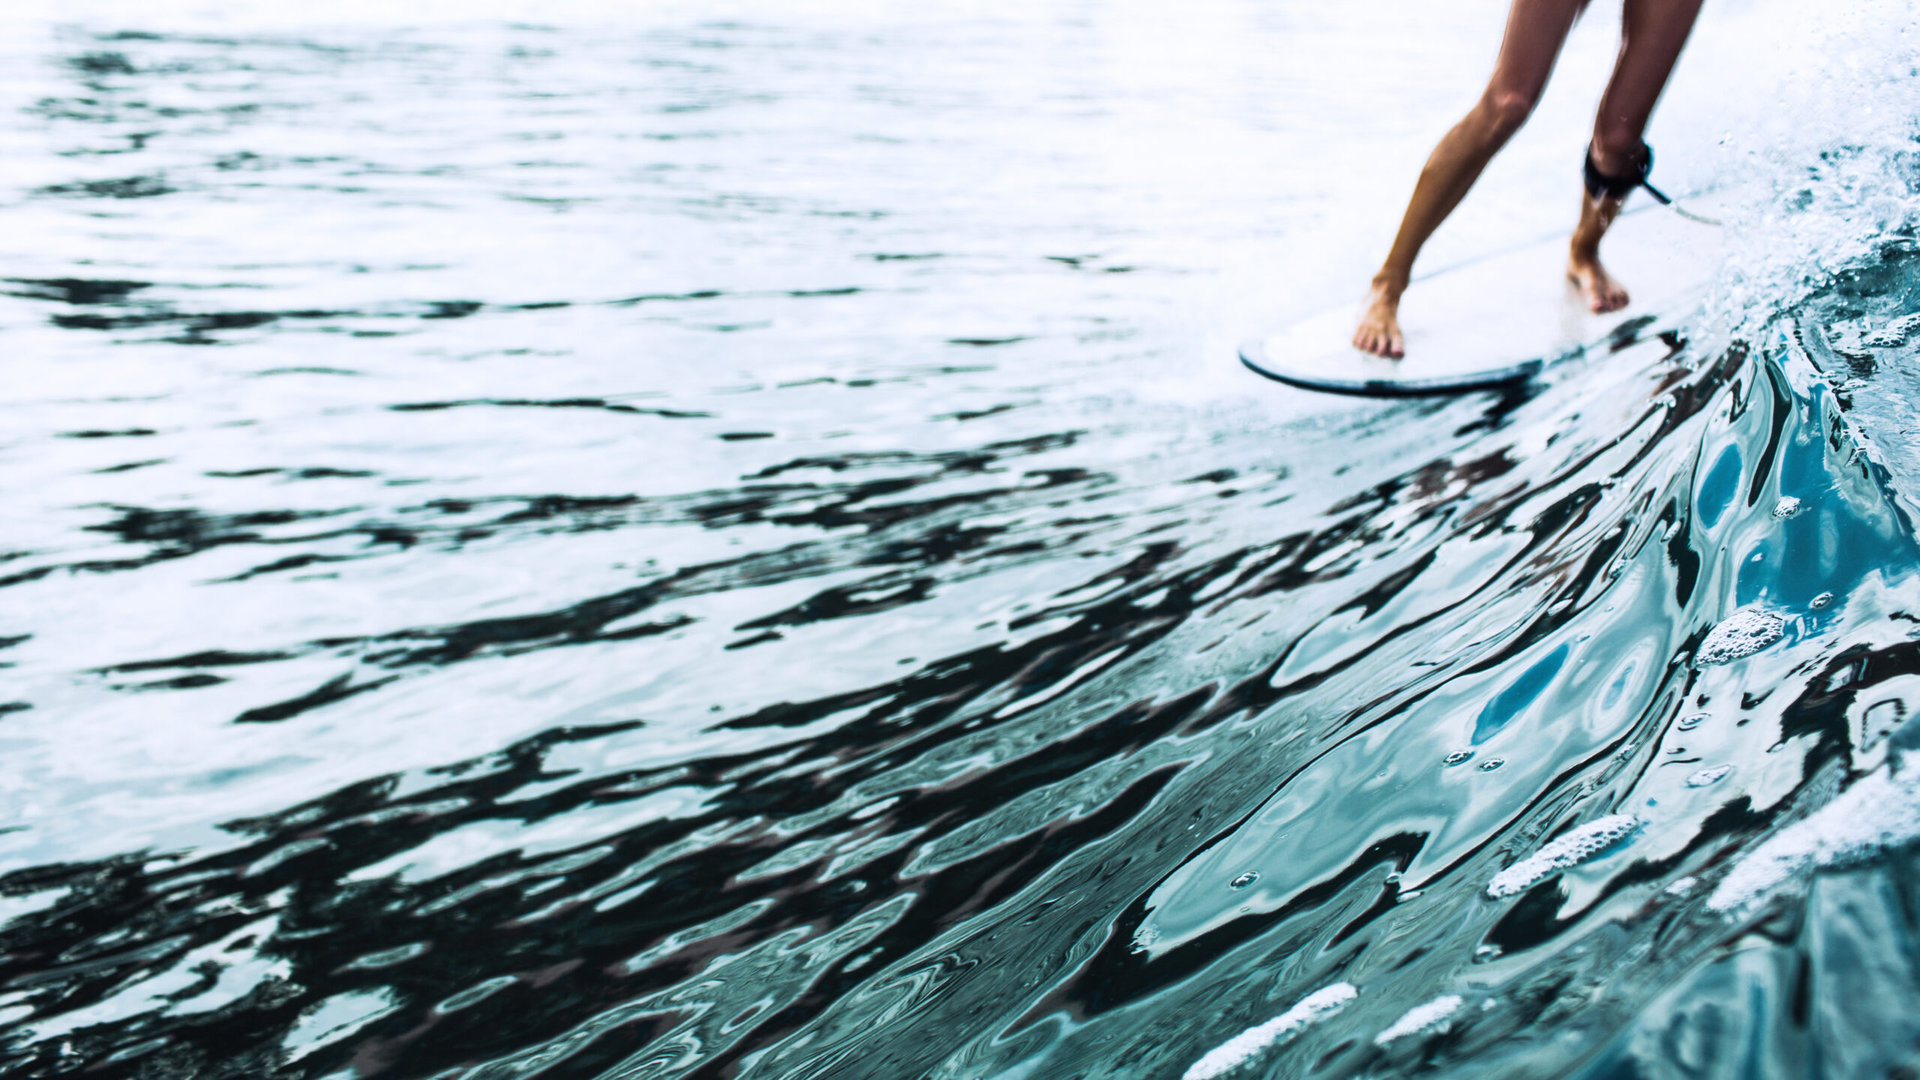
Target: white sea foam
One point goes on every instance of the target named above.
(1895, 333)
(1741, 634)
(1241, 1048)
(1708, 776)
(1435, 1015)
(1829, 157)
(1786, 507)
(1571, 849)
(1881, 810)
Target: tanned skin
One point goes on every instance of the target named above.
(1652, 33)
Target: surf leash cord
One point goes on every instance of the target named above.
(1619, 187)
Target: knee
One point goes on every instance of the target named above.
(1504, 111)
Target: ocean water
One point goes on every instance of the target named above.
(727, 540)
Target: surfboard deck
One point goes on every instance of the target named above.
(1495, 321)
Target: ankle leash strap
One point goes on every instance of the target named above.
(1619, 187)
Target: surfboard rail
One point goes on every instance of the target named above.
(1253, 353)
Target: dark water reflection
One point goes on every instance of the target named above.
(507, 667)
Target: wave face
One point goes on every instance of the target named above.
(407, 681)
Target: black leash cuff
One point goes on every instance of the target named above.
(1619, 187)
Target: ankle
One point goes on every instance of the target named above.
(1616, 155)
(1389, 284)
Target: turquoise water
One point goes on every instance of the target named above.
(595, 544)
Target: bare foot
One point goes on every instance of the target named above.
(1379, 331)
(1602, 292)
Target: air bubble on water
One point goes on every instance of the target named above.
(1740, 635)
(1571, 849)
(1688, 723)
(1244, 880)
(1492, 763)
(1880, 811)
(1229, 1056)
(1435, 1017)
(1821, 601)
(1786, 507)
(1459, 757)
(1709, 776)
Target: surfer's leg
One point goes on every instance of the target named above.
(1535, 31)
(1652, 33)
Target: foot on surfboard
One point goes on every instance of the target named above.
(1601, 291)
(1493, 321)
(1379, 331)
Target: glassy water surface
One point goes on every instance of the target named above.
(680, 542)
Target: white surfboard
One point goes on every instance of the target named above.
(1497, 320)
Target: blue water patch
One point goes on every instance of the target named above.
(1519, 694)
(1719, 487)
